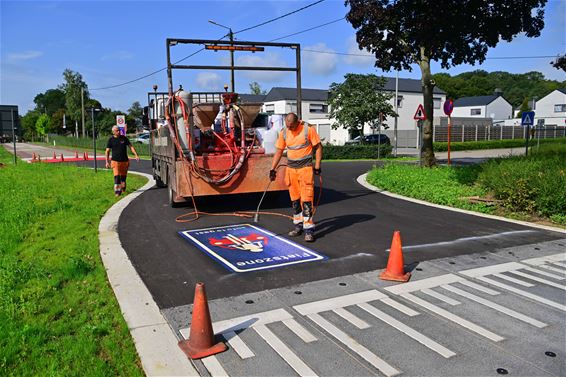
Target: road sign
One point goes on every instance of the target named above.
(419, 114)
(528, 118)
(448, 107)
(540, 122)
(121, 122)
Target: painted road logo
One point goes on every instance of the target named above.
(245, 247)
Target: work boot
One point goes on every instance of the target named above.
(309, 236)
(297, 231)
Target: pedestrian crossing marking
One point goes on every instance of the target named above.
(440, 296)
(535, 278)
(513, 280)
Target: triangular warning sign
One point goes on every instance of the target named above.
(527, 119)
(420, 114)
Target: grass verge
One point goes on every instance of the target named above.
(531, 188)
(58, 314)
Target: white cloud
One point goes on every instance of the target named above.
(262, 60)
(118, 55)
(24, 55)
(319, 63)
(361, 58)
(209, 81)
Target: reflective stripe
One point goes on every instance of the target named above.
(305, 144)
(300, 159)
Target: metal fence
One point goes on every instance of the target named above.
(479, 133)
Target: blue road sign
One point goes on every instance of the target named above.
(246, 247)
(528, 118)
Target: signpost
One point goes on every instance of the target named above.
(527, 120)
(448, 108)
(420, 117)
(121, 122)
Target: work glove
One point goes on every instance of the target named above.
(317, 171)
(272, 175)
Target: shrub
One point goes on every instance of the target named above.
(352, 152)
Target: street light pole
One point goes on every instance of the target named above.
(92, 110)
(396, 111)
(14, 136)
(231, 35)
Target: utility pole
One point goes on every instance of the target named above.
(83, 109)
(231, 35)
(396, 109)
(14, 136)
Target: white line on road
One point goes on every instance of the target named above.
(522, 293)
(540, 280)
(440, 297)
(352, 344)
(478, 287)
(545, 273)
(402, 308)
(513, 280)
(421, 338)
(359, 323)
(285, 352)
(495, 306)
(339, 302)
(238, 345)
(299, 330)
(213, 366)
(454, 318)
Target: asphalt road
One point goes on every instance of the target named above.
(354, 229)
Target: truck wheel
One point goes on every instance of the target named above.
(159, 183)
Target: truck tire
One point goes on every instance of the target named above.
(159, 182)
(172, 195)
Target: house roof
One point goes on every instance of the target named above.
(281, 93)
(260, 98)
(562, 90)
(476, 101)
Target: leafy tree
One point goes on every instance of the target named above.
(56, 122)
(43, 125)
(406, 32)
(359, 100)
(28, 122)
(50, 101)
(72, 89)
(134, 116)
(524, 107)
(256, 89)
(560, 63)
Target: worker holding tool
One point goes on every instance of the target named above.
(118, 145)
(300, 139)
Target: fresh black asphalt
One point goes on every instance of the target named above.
(354, 229)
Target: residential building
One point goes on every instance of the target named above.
(494, 106)
(552, 108)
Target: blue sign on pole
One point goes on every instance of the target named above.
(528, 118)
(246, 247)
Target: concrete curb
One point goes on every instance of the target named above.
(155, 342)
(362, 181)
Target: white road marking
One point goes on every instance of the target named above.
(285, 352)
(339, 302)
(238, 345)
(560, 263)
(495, 306)
(454, 318)
(299, 330)
(478, 287)
(522, 293)
(554, 269)
(402, 308)
(421, 338)
(423, 284)
(490, 270)
(359, 323)
(352, 344)
(545, 273)
(513, 280)
(440, 297)
(213, 367)
(540, 280)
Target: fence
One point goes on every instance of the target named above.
(409, 138)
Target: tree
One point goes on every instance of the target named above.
(50, 101)
(72, 89)
(524, 107)
(359, 100)
(560, 63)
(43, 125)
(406, 32)
(256, 89)
(28, 122)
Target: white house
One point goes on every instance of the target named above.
(315, 107)
(495, 107)
(552, 108)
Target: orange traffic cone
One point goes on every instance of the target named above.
(395, 266)
(201, 338)
(76, 154)
(85, 156)
(54, 156)
(62, 159)
(33, 157)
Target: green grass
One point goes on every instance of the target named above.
(530, 188)
(492, 144)
(85, 144)
(58, 314)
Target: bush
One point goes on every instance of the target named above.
(491, 144)
(352, 152)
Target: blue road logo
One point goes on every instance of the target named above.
(245, 248)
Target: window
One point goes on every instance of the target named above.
(560, 108)
(399, 101)
(270, 109)
(318, 108)
(475, 112)
(436, 102)
(292, 107)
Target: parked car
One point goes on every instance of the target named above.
(142, 139)
(370, 139)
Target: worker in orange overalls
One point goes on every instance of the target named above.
(301, 140)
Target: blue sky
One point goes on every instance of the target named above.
(110, 43)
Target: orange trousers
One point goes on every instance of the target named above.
(301, 183)
(120, 168)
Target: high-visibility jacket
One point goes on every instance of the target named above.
(299, 144)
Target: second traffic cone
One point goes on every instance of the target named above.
(54, 156)
(395, 266)
(62, 158)
(85, 156)
(201, 339)
(76, 154)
